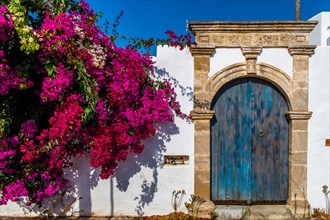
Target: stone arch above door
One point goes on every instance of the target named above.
(251, 37)
(269, 73)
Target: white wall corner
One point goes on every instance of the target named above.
(320, 36)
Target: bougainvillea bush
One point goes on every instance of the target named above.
(67, 90)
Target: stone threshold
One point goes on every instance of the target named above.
(255, 212)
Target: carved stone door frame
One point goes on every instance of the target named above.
(251, 37)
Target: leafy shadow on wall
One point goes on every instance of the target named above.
(85, 178)
(161, 73)
(152, 158)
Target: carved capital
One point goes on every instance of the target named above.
(302, 50)
(298, 115)
(202, 114)
(251, 52)
(195, 51)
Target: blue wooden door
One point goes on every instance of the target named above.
(249, 144)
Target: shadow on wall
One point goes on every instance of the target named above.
(152, 158)
(328, 41)
(85, 178)
(163, 74)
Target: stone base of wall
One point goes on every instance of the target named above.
(256, 212)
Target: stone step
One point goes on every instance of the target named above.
(254, 212)
(229, 212)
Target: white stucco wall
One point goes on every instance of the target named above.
(224, 57)
(320, 35)
(278, 57)
(319, 104)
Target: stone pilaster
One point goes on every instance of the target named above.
(201, 117)
(201, 120)
(298, 138)
(300, 80)
(202, 57)
(298, 161)
(251, 54)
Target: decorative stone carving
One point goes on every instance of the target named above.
(225, 40)
(251, 54)
(235, 34)
(251, 66)
(204, 39)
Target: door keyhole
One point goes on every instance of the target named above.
(260, 133)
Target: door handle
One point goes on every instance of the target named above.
(260, 133)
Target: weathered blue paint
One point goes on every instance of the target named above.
(249, 143)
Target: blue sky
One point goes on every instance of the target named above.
(151, 18)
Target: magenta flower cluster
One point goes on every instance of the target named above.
(9, 78)
(52, 89)
(82, 95)
(180, 41)
(6, 24)
(28, 129)
(14, 192)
